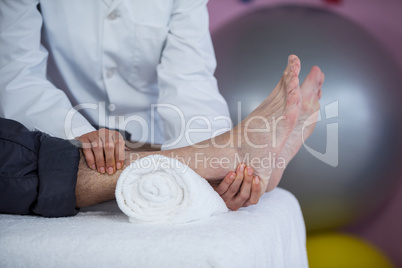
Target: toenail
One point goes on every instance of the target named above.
(249, 171)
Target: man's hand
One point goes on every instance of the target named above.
(103, 150)
(240, 189)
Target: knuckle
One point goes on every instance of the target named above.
(89, 158)
(232, 191)
(98, 150)
(86, 145)
(86, 150)
(257, 189)
(118, 135)
(244, 196)
(226, 180)
(219, 190)
(95, 144)
(109, 145)
(224, 184)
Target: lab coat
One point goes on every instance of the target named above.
(143, 66)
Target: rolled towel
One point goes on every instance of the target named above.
(162, 190)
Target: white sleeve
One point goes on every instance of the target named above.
(25, 93)
(189, 98)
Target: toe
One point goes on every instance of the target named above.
(315, 75)
(291, 58)
(296, 66)
(292, 84)
(293, 97)
(293, 66)
(322, 79)
(316, 72)
(313, 82)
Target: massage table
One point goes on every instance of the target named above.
(270, 234)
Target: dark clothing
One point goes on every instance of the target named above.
(38, 173)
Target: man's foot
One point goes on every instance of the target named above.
(261, 136)
(311, 94)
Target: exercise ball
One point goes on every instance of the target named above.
(334, 250)
(348, 167)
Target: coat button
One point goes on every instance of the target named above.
(113, 15)
(110, 72)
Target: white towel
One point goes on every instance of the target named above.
(159, 189)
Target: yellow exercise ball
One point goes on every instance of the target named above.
(336, 250)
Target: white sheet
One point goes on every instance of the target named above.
(271, 234)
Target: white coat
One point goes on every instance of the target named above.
(143, 66)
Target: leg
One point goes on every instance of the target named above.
(37, 172)
(258, 138)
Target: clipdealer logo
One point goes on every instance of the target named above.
(331, 155)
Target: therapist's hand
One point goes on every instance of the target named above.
(239, 189)
(103, 150)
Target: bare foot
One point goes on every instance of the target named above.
(311, 94)
(262, 135)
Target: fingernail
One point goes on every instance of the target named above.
(102, 170)
(118, 165)
(242, 167)
(93, 166)
(249, 171)
(256, 180)
(110, 170)
(232, 176)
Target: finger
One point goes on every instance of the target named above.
(255, 192)
(226, 182)
(245, 191)
(214, 184)
(119, 150)
(97, 148)
(235, 186)
(109, 147)
(88, 154)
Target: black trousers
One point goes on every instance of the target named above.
(38, 173)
